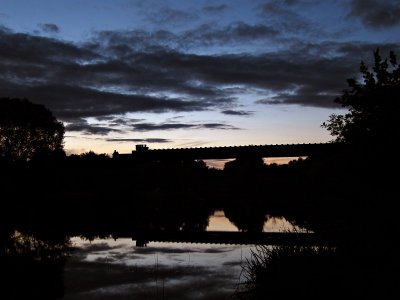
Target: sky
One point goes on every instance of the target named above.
(177, 73)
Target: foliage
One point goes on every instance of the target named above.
(33, 246)
(241, 164)
(28, 130)
(373, 104)
(32, 268)
(288, 271)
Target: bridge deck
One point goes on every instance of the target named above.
(290, 150)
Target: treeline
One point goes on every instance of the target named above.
(96, 194)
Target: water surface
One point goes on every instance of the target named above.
(117, 269)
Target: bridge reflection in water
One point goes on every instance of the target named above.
(239, 238)
(280, 232)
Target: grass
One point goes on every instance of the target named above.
(290, 271)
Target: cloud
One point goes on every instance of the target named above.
(286, 19)
(234, 33)
(117, 120)
(86, 279)
(89, 247)
(165, 126)
(50, 28)
(270, 101)
(84, 127)
(148, 140)
(168, 16)
(174, 126)
(237, 112)
(215, 8)
(207, 34)
(299, 98)
(218, 126)
(109, 75)
(73, 101)
(376, 14)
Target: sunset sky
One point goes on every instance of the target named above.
(179, 73)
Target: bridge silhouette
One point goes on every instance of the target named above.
(142, 152)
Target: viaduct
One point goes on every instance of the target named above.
(285, 150)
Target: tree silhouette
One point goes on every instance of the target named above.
(373, 104)
(28, 130)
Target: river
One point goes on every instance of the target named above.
(117, 269)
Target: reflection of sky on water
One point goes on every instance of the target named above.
(279, 225)
(117, 269)
(124, 251)
(218, 222)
